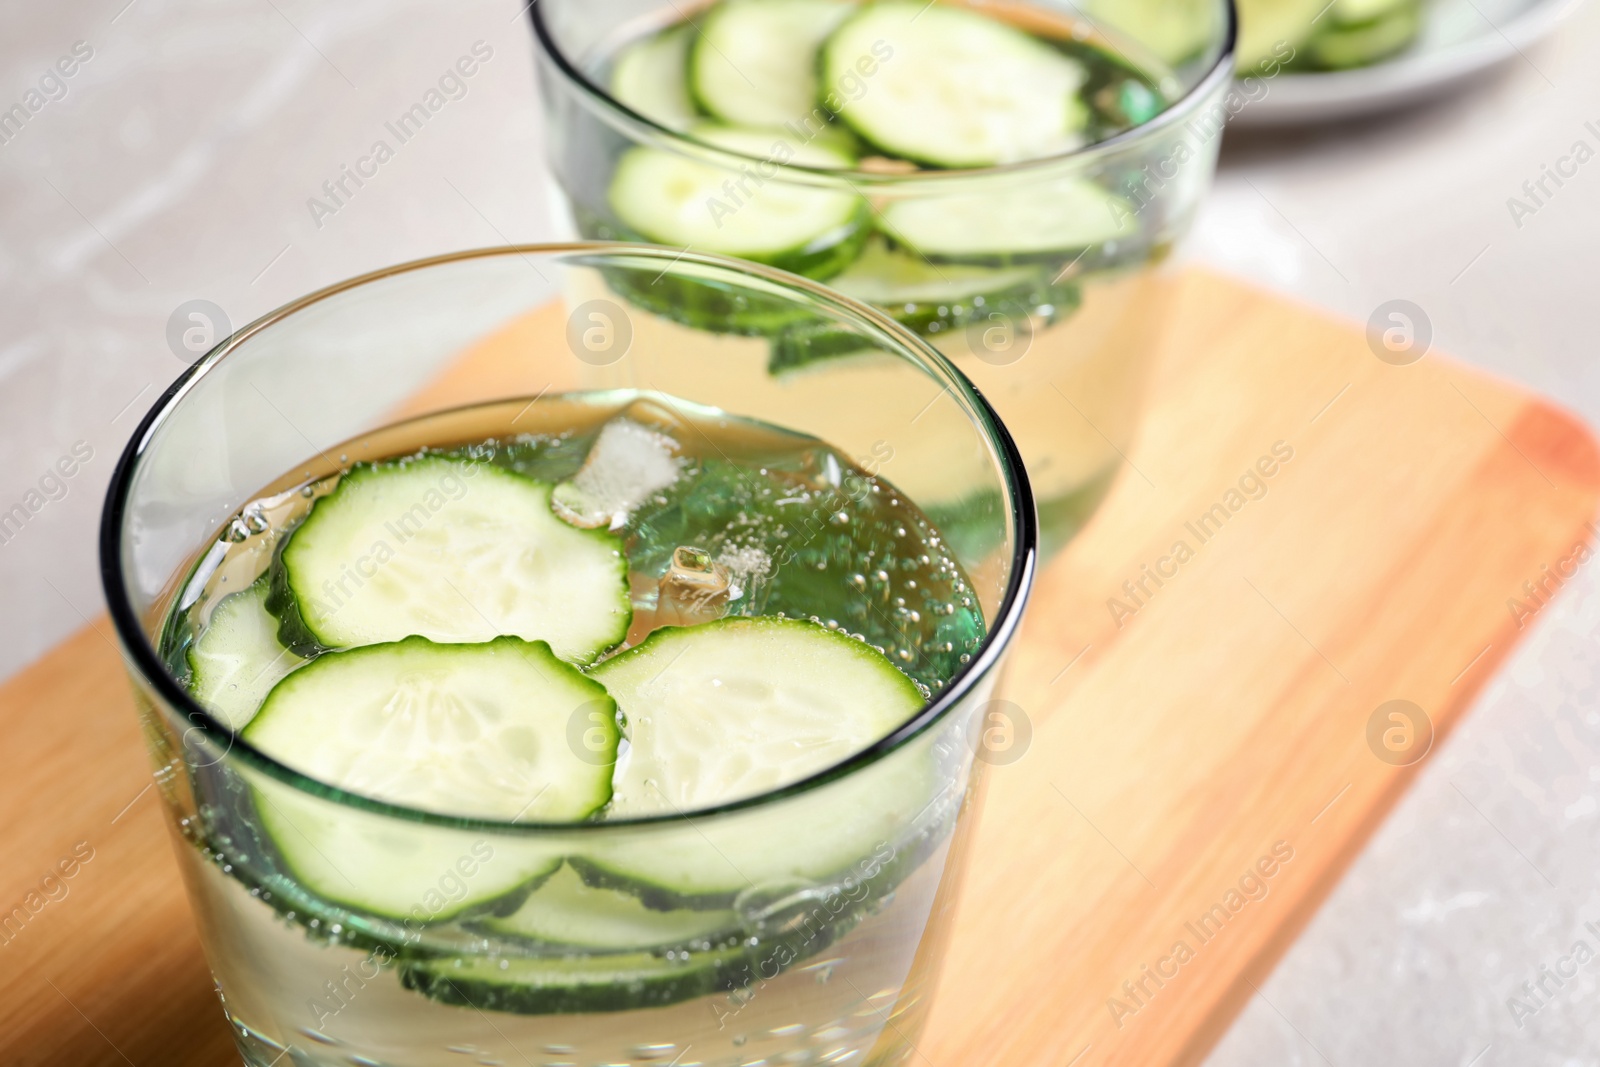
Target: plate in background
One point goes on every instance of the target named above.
(1460, 40)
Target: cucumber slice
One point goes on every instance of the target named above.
(567, 911)
(827, 149)
(755, 61)
(777, 930)
(540, 986)
(803, 344)
(451, 550)
(673, 200)
(237, 658)
(479, 730)
(1355, 12)
(476, 730)
(392, 869)
(732, 708)
(931, 300)
(1343, 47)
(873, 825)
(1273, 28)
(1175, 30)
(800, 345)
(1041, 221)
(892, 279)
(738, 707)
(650, 77)
(948, 87)
(707, 303)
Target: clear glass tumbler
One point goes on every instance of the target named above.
(834, 954)
(1057, 337)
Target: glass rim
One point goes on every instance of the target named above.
(144, 661)
(643, 129)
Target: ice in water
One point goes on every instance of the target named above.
(626, 465)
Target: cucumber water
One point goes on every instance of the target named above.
(570, 610)
(1003, 180)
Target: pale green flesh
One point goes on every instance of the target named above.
(754, 62)
(478, 730)
(396, 868)
(566, 911)
(618, 971)
(842, 829)
(890, 278)
(1352, 46)
(731, 709)
(953, 88)
(1352, 12)
(237, 658)
(650, 76)
(1273, 28)
(684, 202)
(454, 551)
(735, 708)
(578, 984)
(1037, 217)
(1174, 30)
(824, 150)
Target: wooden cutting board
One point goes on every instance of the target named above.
(1199, 770)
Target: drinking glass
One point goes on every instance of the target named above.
(1063, 357)
(833, 965)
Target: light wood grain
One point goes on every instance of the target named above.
(1168, 755)
(1230, 712)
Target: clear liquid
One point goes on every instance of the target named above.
(758, 521)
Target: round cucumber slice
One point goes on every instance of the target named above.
(894, 279)
(454, 551)
(392, 869)
(1342, 47)
(1356, 12)
(1039, 220)
(237, 658)
(650, 77)
(931, 300)
(825, 150)
(548, 986)
(475, 730)
(730, 709)
(1175, 30)
(567, 911)
(948, 87)
(674, 200)
(1266, 27)
(873, 825)
(755, 61)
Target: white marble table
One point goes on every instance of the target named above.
(178, 161)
